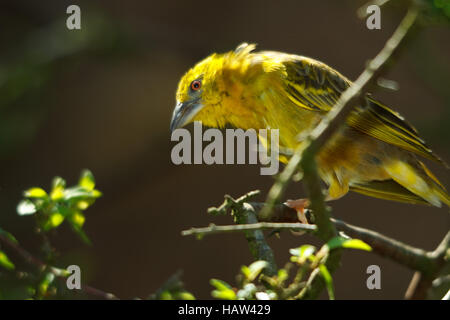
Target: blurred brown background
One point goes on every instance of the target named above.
(102, 97)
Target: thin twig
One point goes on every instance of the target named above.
(214, 229)
(59, 273)
(173, 283)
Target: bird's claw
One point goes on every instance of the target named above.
(299, 205)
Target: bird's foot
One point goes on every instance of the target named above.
(299, 205)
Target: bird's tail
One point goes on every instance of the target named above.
(418, 179)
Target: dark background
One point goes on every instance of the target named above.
(102, 97)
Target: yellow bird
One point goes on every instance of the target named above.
(374, 153)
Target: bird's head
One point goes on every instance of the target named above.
(203, 89)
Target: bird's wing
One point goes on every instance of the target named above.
(382, 123)
(389, 190)
(314, 86)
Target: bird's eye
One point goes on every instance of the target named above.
(196, 85)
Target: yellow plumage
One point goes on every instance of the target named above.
(374, 153)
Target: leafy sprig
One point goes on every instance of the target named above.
(61, 203)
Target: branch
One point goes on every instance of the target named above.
(214, 229)
(404, 254)
(283, 217)
(172, 289)
(244, 214)
(60, 274)
(256, 241)
(422, 280)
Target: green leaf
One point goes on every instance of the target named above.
(184, 295)
(26, 207)
(58, 182)
(255, 269)
(219, 284)
(302, 253)
(57, 193)
(283, 275)
(58, 186)
(223, 290)
(356, 244)
(45, 283)
(80, 193)
(35, 193)
(87, 180)
(77, 218)
(199, 236)
(96, 193)
(83, 204)
(224, 294)
(165, 295)
(441, 7)
(340, 242)
(245, 271)
(5, 262)
(328, 280)
(83, 236)
(8, 235)
(54, 220)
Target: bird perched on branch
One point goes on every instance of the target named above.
(374, 153)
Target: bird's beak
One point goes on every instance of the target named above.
(184, 113)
